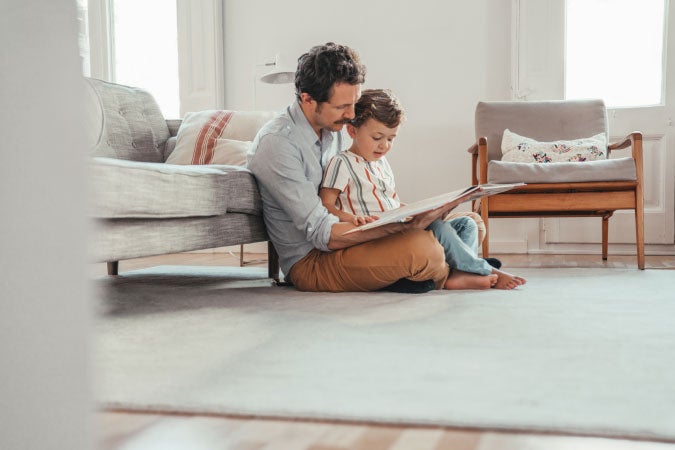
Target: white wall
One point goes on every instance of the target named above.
(440, 57)
(44, 309)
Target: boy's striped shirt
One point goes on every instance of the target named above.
(366, 188)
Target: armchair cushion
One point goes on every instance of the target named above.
(619, 169)
(516, 148)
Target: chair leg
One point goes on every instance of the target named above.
(272, 262)
(113, 268)
(605, 234)
(484, 216)
(640, 235)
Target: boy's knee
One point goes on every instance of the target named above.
(472, 221)
(467, 222)
(480, 226)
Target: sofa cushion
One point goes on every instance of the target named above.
(129, 125)
(129, 189)
(241, 190)
(619, 169)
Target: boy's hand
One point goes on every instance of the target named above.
(362, 220)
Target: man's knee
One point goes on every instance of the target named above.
(425, 246)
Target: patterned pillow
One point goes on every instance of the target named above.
(200, 140)
(517, 148)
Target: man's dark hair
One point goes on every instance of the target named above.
(379, 104)
(323, 66)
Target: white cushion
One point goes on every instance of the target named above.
(216, 137)
(516, 148)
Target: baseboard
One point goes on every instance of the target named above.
(596, 249)
(508, 247)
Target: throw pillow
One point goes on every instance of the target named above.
(516, 148)
(199, 140)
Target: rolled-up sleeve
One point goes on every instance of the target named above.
(290, 178)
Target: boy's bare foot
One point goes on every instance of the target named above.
(464, 280)
(506, 280)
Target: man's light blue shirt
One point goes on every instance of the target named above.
(287, 159)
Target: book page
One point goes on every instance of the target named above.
(406, 212)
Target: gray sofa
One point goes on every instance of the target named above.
(142, 206)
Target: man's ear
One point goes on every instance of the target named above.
(351, 130)
(305, 98)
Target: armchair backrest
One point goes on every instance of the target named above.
(540, 120)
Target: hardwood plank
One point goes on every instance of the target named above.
(418, 439)
(180, 433)
(339, 436)
(459, 440)
(508, 441)
(377, 438)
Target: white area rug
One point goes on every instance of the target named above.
(584, 351)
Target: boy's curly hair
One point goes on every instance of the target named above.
(379, 104)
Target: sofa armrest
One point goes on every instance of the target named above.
(174, 125)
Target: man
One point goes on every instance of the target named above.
(288, 157)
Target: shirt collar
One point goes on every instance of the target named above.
(303, 124)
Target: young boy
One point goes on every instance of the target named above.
(359, 183)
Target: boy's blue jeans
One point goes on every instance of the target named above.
(459, 238)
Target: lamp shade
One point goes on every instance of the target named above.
(279, 75)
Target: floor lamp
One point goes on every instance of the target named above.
(278, 75)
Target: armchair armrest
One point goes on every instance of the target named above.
(478, 165)
(634, 140)
(625, 142)
(482, 159)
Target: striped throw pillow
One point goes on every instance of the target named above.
(201, 139)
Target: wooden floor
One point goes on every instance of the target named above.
(131, 430)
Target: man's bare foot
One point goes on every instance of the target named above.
(464, 280)
(506, 280)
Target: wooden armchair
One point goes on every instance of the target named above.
(568, 189)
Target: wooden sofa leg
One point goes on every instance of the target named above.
(113, 268)
(272, 262)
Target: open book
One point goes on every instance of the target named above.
(406, 212)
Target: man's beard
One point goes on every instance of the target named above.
(339, 123)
